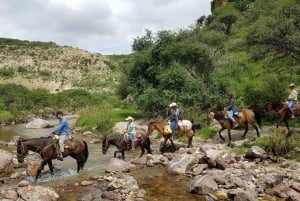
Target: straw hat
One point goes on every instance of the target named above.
(129, 118)
(173, 104)
(292, 85)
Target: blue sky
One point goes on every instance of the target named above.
(102, 26)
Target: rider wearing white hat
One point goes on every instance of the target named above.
(130, 129)
(174, 117)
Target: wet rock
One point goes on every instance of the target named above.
(118, 165)
(8, 194)
(198, 169)
(37, 193)
(241, 195)
(179, 164)
(32, 168)
(39, 123)
(284, 191)
(86, 183)
(141, 160)
(6, 164)
(203, 185)
(256, 152)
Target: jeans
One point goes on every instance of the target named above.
(230, 116)
(173, 127)
(62, 139)
(291, 106)
(131, 136)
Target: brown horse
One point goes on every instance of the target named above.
(283, 111)
(246, 117)
(186, 128)
(142, 140)
(47, 148)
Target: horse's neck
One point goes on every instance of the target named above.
(116, 141)
(159, 127)
(219, 116)
(35, 146)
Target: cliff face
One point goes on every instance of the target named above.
(53, 67)
(217, 3)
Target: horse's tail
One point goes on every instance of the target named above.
(85, 152)
(195, 126)
(258, 118)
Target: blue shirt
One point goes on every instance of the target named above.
(62, 128)
(131, 128)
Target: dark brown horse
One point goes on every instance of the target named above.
(246, 117)
(48, 149)
(142, 140)
(283, 111)
(185, 127)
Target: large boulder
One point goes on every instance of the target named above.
(6, 163)
(39, 123)
(37, 193)
(118, 165)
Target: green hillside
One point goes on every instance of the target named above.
(250, 48)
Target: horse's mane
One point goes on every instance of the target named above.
(40, 138)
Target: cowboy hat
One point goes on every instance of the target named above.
(173, 104)
(129, 118)
(292, 85)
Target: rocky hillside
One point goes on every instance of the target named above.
(53, 67)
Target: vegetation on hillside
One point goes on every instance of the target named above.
(246, 47)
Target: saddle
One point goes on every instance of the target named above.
(69, 143)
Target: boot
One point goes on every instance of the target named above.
(293, 117)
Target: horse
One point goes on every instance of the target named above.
(142, 141)
(283, 111)
(184, 127)
(246, 116)
(48, 149)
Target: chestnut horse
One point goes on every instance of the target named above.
(142, 140)
(283, 111)
(47, 147)
(246, 117)
(184, 127)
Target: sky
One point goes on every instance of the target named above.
(99, 26)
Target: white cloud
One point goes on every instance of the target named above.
(103, 26)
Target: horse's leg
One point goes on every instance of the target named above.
(50, 167)
(220, 135)
(142, 148)
(44, 162)
(165, 142)
(123, 154)
(256, 128)
(229, 135)
(286, 124)
(190, 138)
(246, 129)
(147, 145)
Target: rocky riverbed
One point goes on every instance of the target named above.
(212, 171)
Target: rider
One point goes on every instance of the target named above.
(292, 98)
(174, 117)
(63, 130)
(233, 110)
(130, 129)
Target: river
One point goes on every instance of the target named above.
(158, 184)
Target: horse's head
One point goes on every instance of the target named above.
(269, 106)
(105, 145)
(150, 128)
(21, 151)
(210, 117)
